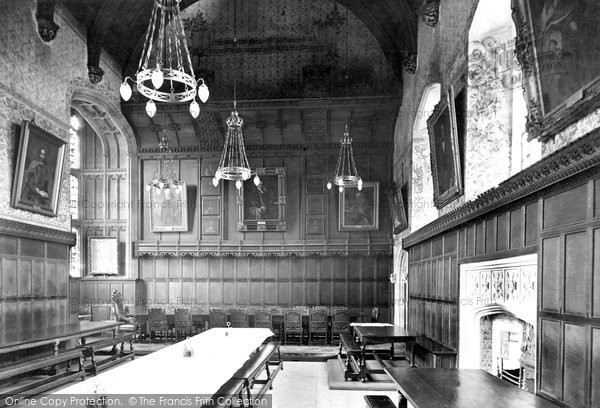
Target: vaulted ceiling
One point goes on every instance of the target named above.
(119, 26)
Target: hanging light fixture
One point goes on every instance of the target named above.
(234, 163)
(345, 174)
(165, 72)
(164, 179)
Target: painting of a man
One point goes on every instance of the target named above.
(39, 170)
(359, 209)
(38, 180)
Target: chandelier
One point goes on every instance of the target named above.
(234, 163)
(164, 179)
(345, 174)
(165, 72)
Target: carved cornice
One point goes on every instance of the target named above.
(581, 155)
(191, 151)
(299, 248)
(22, 230)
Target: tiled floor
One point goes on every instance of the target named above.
(304, 385)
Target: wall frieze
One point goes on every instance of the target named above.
(193, 151)
(575, 158)
(297, 248)
(22, 230)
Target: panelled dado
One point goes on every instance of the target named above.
(552, 209)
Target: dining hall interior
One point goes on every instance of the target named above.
(300, 203)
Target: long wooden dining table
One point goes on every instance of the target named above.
(216, 355)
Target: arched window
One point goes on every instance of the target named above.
(422, 209)
(496, 145)
(75, 161)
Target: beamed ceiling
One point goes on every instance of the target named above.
(118, 26)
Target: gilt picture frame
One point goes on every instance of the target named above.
(263, 207)
(446, 165)
(38, 172)
(557, 47)
(359, 210)
(168, 210)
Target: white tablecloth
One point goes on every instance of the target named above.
(371, 324)
(217, 354)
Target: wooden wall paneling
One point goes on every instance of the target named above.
(462, 243)
(595, 374)
(450, 243)
(577, 280)
(471, 241)
(480, 238)
(270, 268)
(596, 274)
(503, 227)
(531, 224)
(284, 294)
(229, 292)
(576, 378)
(550, 367)
(454, 279)
(308, 266)
(550, 278)
(312, 293)
(566, 207)
(516, 229)
(298, 292)
(490, 236)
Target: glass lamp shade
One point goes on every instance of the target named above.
(203, 92)
(125, 91)
(151, 108)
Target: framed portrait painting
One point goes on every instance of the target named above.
(168, 209)
(263, 207)
(445, 151)
(397, 209)
(558, 47)
(359, 210)
(38, 174)
(103, 255)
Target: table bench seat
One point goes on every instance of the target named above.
(257, 364)
(229, 395)
(350, 349)
(98, 347)
(430, 353)
(17, 379)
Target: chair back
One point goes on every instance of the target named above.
(317, 320)
(239, 318)
(116, 303)
(341, 321)
(183, 319)
(292, 320)
(217, 318)
(157, 320)
(262, 319)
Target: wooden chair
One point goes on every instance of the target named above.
(239, 318)
(263, 319)
(100, 313)
(118, 310)
(157, 322)
(183, 322)
(340, 324)
(217, 318)
(317, 327)
(292, 327)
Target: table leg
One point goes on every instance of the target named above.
(363, 362)
(412, 354)
(402, 403)
(392, 351)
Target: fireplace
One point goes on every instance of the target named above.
(498, 318)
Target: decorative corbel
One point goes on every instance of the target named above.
(47, 28)
(430, 12)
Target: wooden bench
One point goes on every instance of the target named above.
(352, 352)
(430, 353)
(13, 376)
(254, 367)
(379, 401)
(99, 347)
(229, 395)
